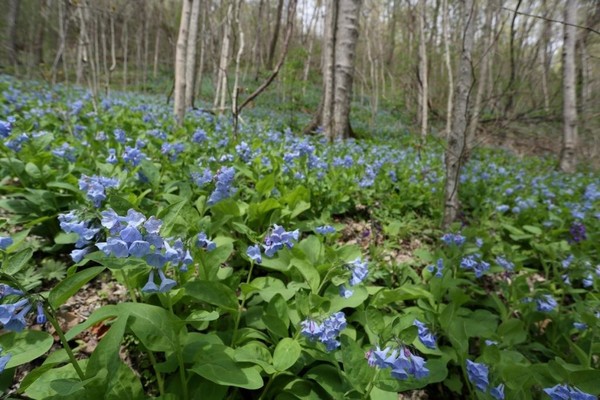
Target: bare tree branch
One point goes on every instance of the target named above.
(587, 28)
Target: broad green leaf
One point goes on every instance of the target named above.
(68, 287)
(308, 271)
(169, 216)
(17, 261)
(216, 363)
(286, 354)
(154, 326)
(25, 346)
(41, 388)
(214, 293)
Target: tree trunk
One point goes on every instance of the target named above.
(190, 57)
(221, 88)
(568, 160)
(11, 31)
(125, 41)
(180, 58)
(448, 67)
(275, 36)
(62, 39)
(423, 88)
(456, 150)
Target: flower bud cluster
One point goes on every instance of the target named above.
(402, 362)
(325, 332)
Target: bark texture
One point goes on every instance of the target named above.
(339, 53)
(457, 146)
(180, 62)
(568, 160)
(190, 56)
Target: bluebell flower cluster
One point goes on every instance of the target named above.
(325, 229)
(112, 156)
(566, 392)
(253, 252)
(545, 303)
(205, 243)
(453, 239)
(475, 263)
(278, 238)
(402, 362)
(5, 129)
(358, 272)
(120, 136)
(133, 156)
(12, 315)
(438, 268)
(577, 231)
(95, 187)
(172, 150)
(203, 179)
(224, 186)
(70, 223)
(199, 136)
(5, 241)
(325, 332)
(244, 151)
(504, 263)
(478, 374)
(66, 151)
(425, 336)
(16, 143)
(133, 235)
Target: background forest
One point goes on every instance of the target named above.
(406, 58)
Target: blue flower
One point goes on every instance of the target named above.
(438, 268)
(474, 262)
(580, 326)
(498, 392)
(425, 336)
(345, 292)
(5, 358)
(546, 303)
(253, 253)
(203, 179)
(504, 263)
(6, 290)
(380, 358)
(325, 332)
(360, 270)
(478, 375)
(408, 364)
(5, 242)
(278, 239)
(325, 229)
(199, 136)
(224, 184)
(565, 392)
(112, 156)
(5, 129)
(133, 156)
(453, 239)
(205, 243)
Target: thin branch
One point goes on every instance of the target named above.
(587, 28)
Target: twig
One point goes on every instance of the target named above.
(587, 28)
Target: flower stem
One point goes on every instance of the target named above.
(371, 385)
(65, 343)
(182, 375)
(241, 308)
(159, 378)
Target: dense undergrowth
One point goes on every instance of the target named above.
(243, 280)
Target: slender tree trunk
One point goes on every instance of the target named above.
(546, 32)
(487, 39)
(235, 93)
(62, 22)
(125, 41)
(190, 68)
(180, 62)
(11, 31)
(423, 89)
(568, 159)
(275, 36)
(257, 47)
(448, 63)
(456, 151)
(205, 33)
(38, 56)
(147, 14)
(221, 92)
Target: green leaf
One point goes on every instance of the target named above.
(25, 346)
(214, 293)
(265, 185)
(68, 287)
(533, 229)
(42, 389)
(286, 354)
(512, 332)
(17, 261)
(216, 363)
(329, 378)
(154, 326)
(169, 216)
(308, 271)
(586, 381)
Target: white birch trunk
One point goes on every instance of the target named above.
(190, 57)
(180, 58)
(568, 161)
(346, 39)
(448, 67)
